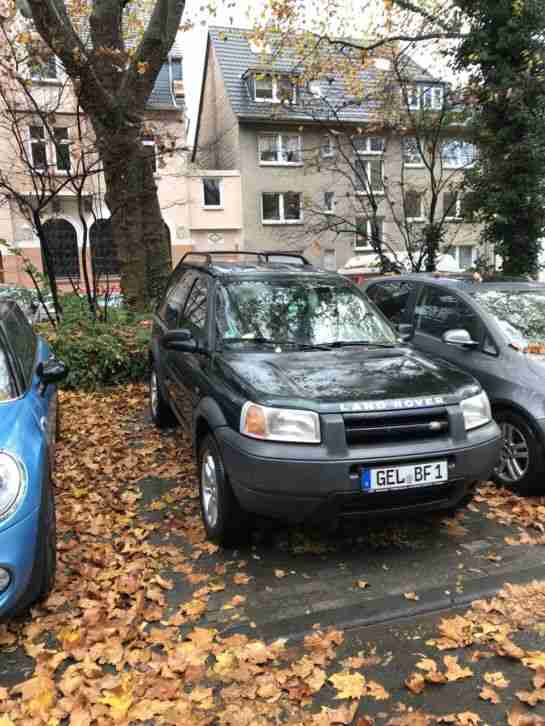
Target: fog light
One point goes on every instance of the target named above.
(5, 579)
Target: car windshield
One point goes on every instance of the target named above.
(520, 313)
(298, 312)
(7, 390)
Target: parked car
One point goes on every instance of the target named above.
(303, 404)
(28, 404)
(494, 330)
(29, 302)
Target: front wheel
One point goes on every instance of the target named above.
(225, 522)
(521, 459)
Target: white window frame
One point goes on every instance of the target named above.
(367, 163)
(422, 217)
(50, 150)
(369, 231)
(37, 77)
(209, 207)
(151, 142)
(315, 89)
(274, 86)
(282, 219)
(328, 150)
(331, 208)
(457, 209)
(411, 164)
(416, 93)
(280, 147)
(474, 254)
(459, 163)
(367, 150)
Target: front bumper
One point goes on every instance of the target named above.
(17, 555)
(298, 483)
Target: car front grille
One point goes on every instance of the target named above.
(395, 426)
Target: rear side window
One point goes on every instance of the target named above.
(439, 310)
(22, 340)
(392, 299)
(171, 308)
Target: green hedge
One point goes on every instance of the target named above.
(100, 353)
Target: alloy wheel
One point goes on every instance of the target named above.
(209, 487)
(515, 454)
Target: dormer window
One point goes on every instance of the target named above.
(45, 70)
(269, 88)
(423, 96)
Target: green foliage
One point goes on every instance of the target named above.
(504, 53)
(100, 353)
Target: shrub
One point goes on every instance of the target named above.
(100, 353)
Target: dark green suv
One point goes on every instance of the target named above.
(301, 400)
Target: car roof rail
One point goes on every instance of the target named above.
(207, 257)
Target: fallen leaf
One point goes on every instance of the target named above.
(362, 584)
(280, 573)
(489, 694)
(410, 596)
(415, 683)
(348, 685)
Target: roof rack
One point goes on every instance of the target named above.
(261, 256)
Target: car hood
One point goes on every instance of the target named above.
(341, 380)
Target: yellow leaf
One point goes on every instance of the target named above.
(280, 573)
(348, 685)
(119, 704)
(411, 596)
(362, 584)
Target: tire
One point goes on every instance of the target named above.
(225, 522)
(160, 410)
(521, 463)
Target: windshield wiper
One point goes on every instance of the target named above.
(259, 340)
(369, 343)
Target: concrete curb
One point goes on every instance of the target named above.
(390, 608)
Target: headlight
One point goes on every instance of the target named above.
(12, 483)
(280, 424)
(476, 411)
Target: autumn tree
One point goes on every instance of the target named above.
(113, 58)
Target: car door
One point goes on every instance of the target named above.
(439, 309)
(394, 298)
(189, 368)
(28, 351)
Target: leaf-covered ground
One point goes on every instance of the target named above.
(150, 624)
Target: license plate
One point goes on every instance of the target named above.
(401, 477)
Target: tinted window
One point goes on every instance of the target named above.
(439, 310)
(195, 310)
(7, 389)
(392, 298)
(23, 341)
(172, 306)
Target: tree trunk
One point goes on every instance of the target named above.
(137, 224)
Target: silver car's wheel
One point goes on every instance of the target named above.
(209, 488)
(154, 394)
(515, 454)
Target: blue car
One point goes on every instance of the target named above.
(28, 415)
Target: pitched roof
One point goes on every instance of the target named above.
(162, 96)
(235, 57)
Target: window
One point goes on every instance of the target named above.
(457, 154)
(196, 307)
(63, 248)
(274, 89)
(439, 310)
(466, 256)
(414, 205)
(411, 153)
(330, 262)
(212, 193)
(103, 249)
(368, 144)
(45, 71)
(23, 341)
(148, 143)
(7, 388)
(314, 89)
(280, 149)
(179, 286)
(424, 97)
(38, 147)
(62, 149)
(329, 202)
(369, 176)
(328, 146)
(281, 207)
(364, 232)
(453, 205)
(392, 299)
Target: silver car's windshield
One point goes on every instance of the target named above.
(519, 313)
(298, 312)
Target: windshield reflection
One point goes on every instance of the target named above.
(519, 313)
(297, 312)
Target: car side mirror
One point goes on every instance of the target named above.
(406, 331)
(459, 338)
(51, 371)
(180, 340)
